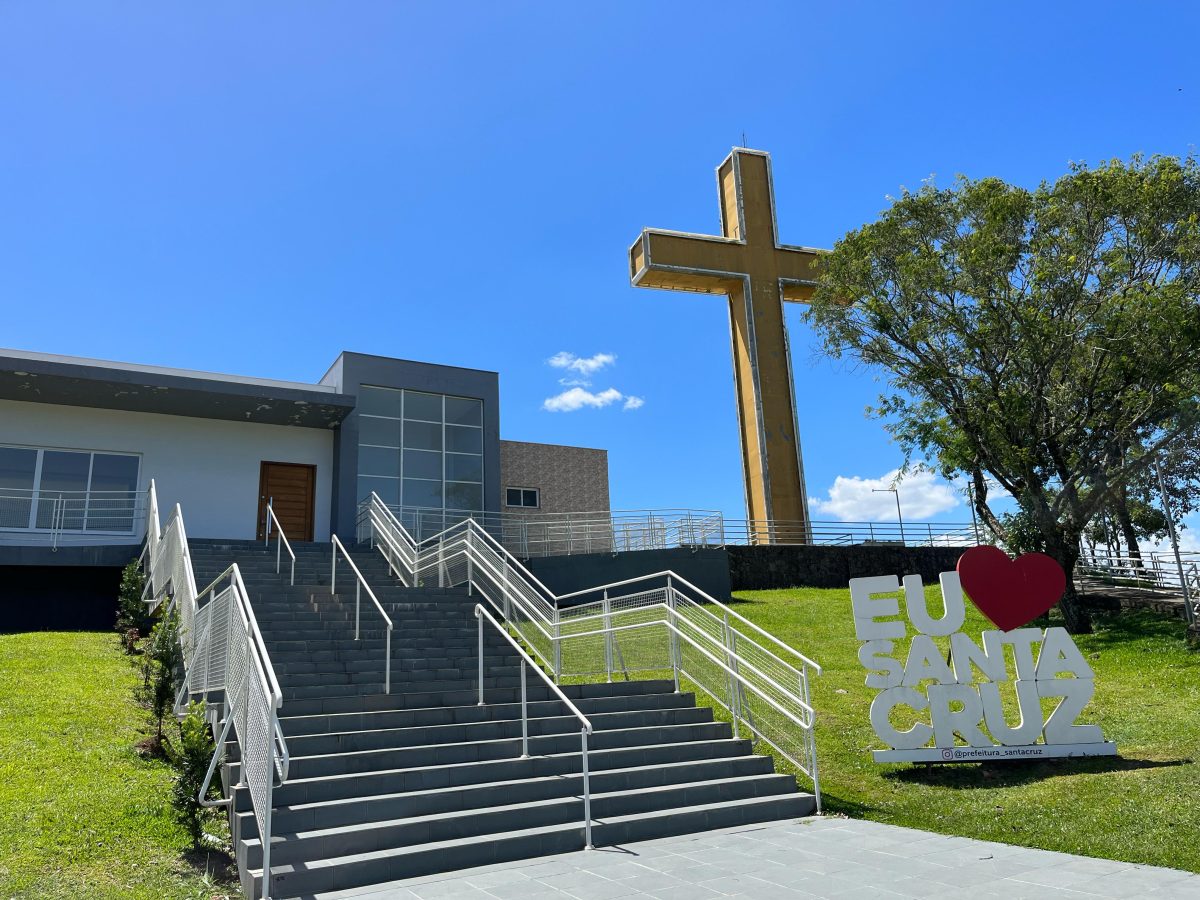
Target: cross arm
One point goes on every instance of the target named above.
(675, 260)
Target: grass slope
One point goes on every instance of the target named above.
(81, 815)
(1141, 807)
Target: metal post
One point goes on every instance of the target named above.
(1183, 585)
(507, 602)
(266, 837)
(333, 573)
(357, 605)
(480, 618)
(470, 567)
(267, 524)
(587, 794)
(557, 646)
(674, 642)
(608, 636)
(524, 712)
(735, 705)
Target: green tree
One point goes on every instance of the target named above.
(1031, 336)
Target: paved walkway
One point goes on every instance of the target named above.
(840, 859)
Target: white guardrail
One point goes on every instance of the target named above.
(1161, 573)
(655, 623)
(532, 534)
(53, 518)
(224, 654)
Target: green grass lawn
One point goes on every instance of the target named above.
(1140, 807)
(81, 815)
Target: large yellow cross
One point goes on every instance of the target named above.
(757, 273)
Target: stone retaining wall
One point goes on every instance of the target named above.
(761, 568)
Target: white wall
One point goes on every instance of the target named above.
(209, 466)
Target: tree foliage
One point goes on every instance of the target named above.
(1047, 339)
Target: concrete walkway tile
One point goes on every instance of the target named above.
(458, 890)
(1140, 882)
(684, 892)
(601, 889)
(486, 880)
(522, 890)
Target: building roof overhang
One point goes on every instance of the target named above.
(40, 378)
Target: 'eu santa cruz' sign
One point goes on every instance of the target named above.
(935, 706)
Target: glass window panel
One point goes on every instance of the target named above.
(62, 491)
(113, 492)
(379, 461)
(463, 467)
(17, 467)
(388, 489)
(460, 495)
(113, 472)
(423, 464)
(512, 497)
(427, 494)
(461, 439)
(461, 411)
(377, 401)
(384, 432)
(425, 407)
(422, 436)
(530, 499)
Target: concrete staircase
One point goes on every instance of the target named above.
(390, 786)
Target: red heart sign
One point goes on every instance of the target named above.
(1010, 592)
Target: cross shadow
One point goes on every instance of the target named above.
(1018, 772)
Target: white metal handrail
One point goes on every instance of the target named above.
(223, 651)
(377, 523)
(759, 678)
(585, 723)
(281, 541)
(359, 584)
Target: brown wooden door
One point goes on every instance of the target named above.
(291, 487)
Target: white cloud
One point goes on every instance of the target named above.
(582, 365)
(577, 398)
(854, 499)
(574, 382)
(634, 403)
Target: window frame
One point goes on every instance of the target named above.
(537, 497)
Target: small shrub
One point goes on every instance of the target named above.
(131, 611)
(129, 640)
(161, 659)
(190, 754)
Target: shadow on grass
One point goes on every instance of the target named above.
(1011, 774)
(218, 866)
(1114, 628)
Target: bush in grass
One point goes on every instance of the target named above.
(161, 659)
(131, 611)
(190, 754)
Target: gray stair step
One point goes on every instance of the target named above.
(355, 810)
(450, 715)
(391, 781)
(494, 729)
(382, 866)
(445, 825)
(422, 755)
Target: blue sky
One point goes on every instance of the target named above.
(252, 188)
